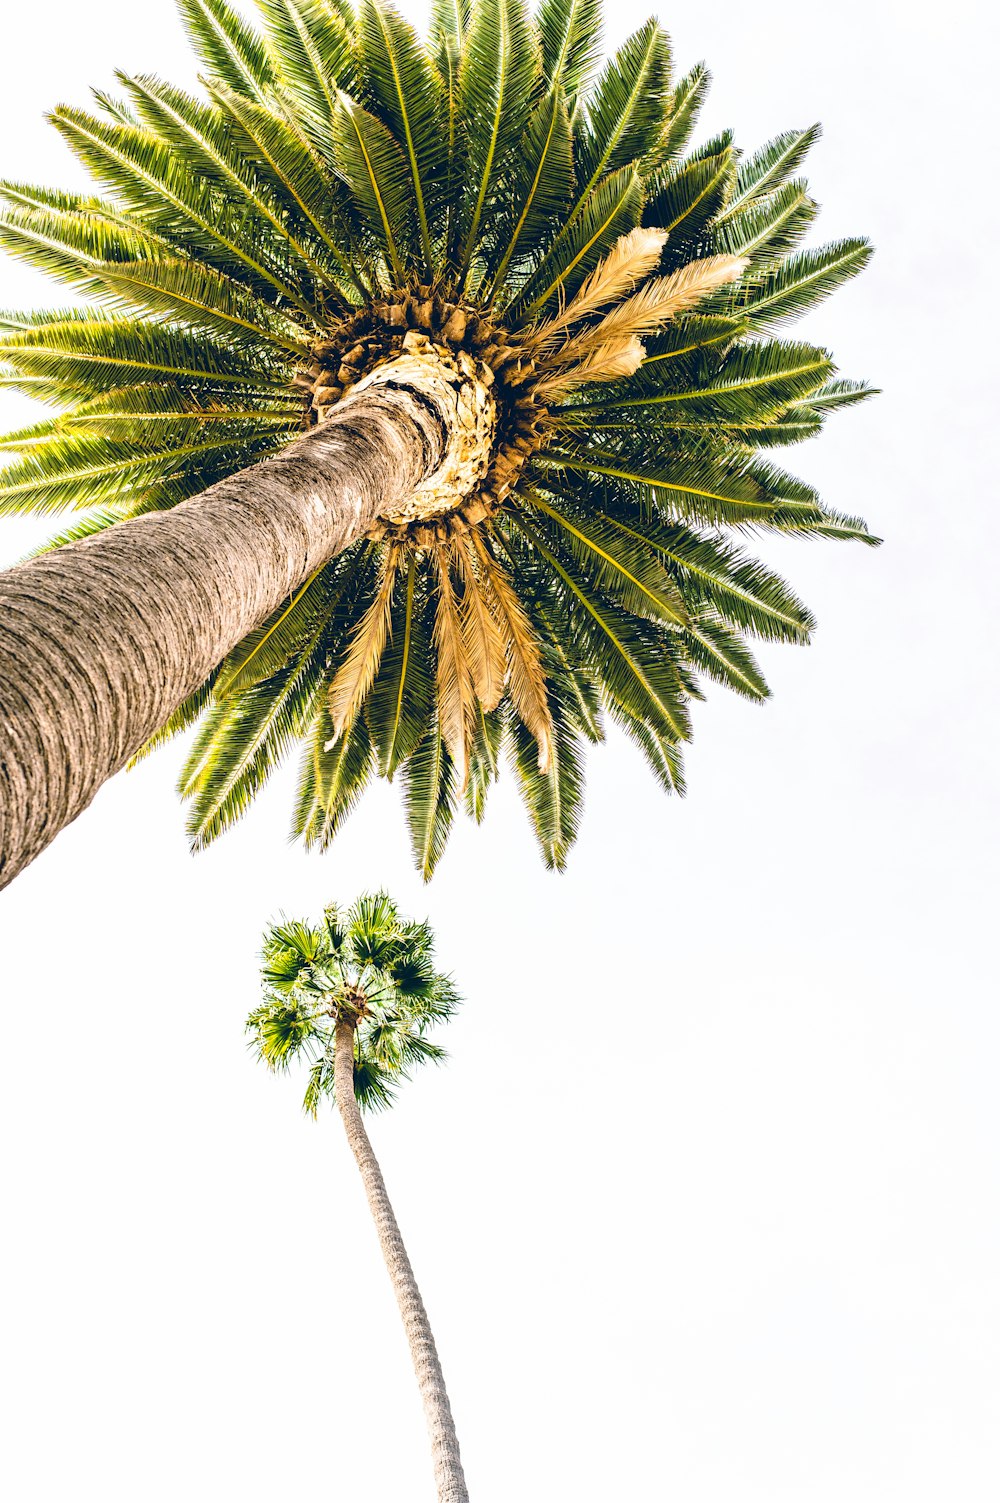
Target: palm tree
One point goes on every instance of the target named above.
(355, 996)
(415, 412)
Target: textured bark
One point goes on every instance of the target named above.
(100, 641)
(448, 1472)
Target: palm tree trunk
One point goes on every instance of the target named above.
(101, 640)
(448, 1472)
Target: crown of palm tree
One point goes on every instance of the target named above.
(345, 191)
(365, 965)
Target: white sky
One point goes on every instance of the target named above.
(704, 1207)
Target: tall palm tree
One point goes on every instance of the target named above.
(355, 996)
(415, 412)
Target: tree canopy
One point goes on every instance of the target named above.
(342, 182)
(365, 964)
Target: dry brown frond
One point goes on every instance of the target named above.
(484, 641)
(610, 361)
(356, 673)
(455, 687)
(655, 304)
(525, 674)
(629, 261)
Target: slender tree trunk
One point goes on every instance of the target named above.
(101, 640)
(448, 1472)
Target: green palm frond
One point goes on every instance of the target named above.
(569, 32)
(688, 198)
(624, 114)
(407, 92)
(313, 55)
(771, 166)
(796, 284)
(768, 226)
(499, 69)
(540, 191)
(374, 167)
(230, 49)
(333, 776)
(684, 104)
(609, 211)
(335, 179)
(268, 650)
(202, 135)
(82, 357)
(306, 193)
(430, 797)
(400, 708)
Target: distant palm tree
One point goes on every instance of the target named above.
(507, 353)
(355, 996)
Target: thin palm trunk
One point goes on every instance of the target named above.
(101, 640)
(444, 1441)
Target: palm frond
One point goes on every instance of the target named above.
(499, 69)
(540, 191)
(768, 226)
(409, 98)
(401, 705)
(374, 168)
(145, 173)
(554, 798)
(634, 669)
(570, 35)
(688, 198)
(357, 671)
(629, 262)
(203, 136)
(714, 648)
(456, 690)
(684, 104)
(334, 775)
(248, 740)
(185, 715)
(84, 357)
(658, 301)
(751, 381)
(482, 639)
(430, 794)
(307, 191)
(266, 651)
(617, 563)
(525, 671)
(248, 253)
(610, 211)
(624, 113)
(314, 56)
(791, 287)
(484, 759)
(231, 50)
(772, 165)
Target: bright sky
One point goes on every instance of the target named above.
(705, 1205)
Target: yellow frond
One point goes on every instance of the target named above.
(610, 361)
(483, 639)
(629, 261)
(654, 305)
(455, 688)
(356, 673)
(525, 674)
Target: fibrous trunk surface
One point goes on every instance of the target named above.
(448, 1472)
(101, 640)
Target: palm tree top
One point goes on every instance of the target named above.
(364, 965)
(344, 190)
